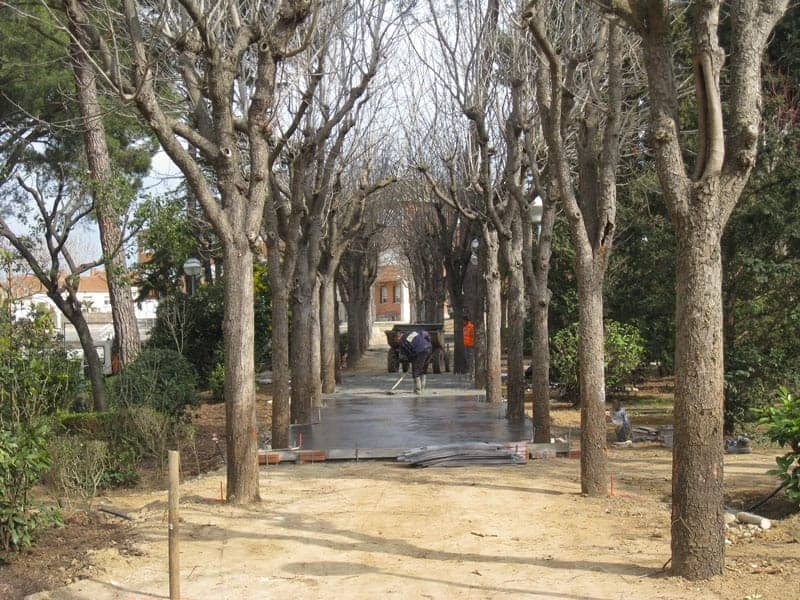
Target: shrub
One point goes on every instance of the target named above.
(623, 353)
(38, 377)
(192, 325)
(23, 461)
(159, 378)
(147, 434)
(108, 427)
(216, 382)
(78, 469)
(783, 427)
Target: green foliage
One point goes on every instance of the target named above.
(783, 427)
(561, 280)
(564, 359)
(38, 100)
(169, 239)
(761, 252)
(38, 377)
(92, 425)
(23, 461)
(193, 326)
(216, 382)
(640, 280)
(159, 378)
(78, 469)
(623, 353)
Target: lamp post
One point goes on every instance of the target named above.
(537, 210)
(192, 268)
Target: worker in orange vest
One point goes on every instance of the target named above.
(468, 337)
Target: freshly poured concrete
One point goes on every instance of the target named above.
(362, 419)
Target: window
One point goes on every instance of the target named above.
(396, 294)
(384, 294)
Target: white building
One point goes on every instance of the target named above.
(95, 300)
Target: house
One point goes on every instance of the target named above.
(391, 299)
(27, 292)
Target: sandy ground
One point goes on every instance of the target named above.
(380, 529)
(383, 530)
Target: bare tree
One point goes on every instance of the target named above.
(700, 200)
(355, 276)
(345, 221)
(343, 59)
(223, 61)
(591, 211)
(466, 40)
(60, 209)
(419, 234)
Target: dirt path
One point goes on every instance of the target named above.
(382, 530)
(372, 530)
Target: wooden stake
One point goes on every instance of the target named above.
(174, 498)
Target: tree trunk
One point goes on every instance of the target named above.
(594, 468)
(494, 367)
(515, 334)
(94, 367)
(104, 193)
(329, 333)
(540, 362)
(537, 271)
(281, 393)
(300, 351)
(240, 391)
(70, 308)
(459, 354)
(698, 542)
(475, 304)
(356, 274)
(315, 357)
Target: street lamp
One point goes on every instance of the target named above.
(192, 268)
(537, 210)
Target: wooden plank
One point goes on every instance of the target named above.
(311, 456)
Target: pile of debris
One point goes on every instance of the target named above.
(466, 453)
(741, 526)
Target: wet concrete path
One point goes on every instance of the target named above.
(362, 417)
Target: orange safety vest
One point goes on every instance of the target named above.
(468, 333)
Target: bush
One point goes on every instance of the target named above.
(159, 378)
(623, 353)
(78, 469)
(216, 382)
(192, 325)
(783, 428)
(109, 427)
(38, 377)
(23, 461)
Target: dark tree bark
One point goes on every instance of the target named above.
(700, 204)
(226, 157)
(357, 273)
(104, 192)
(591, 215)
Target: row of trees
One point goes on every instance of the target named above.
(292, 129)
